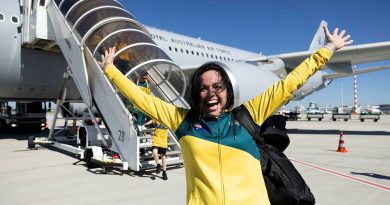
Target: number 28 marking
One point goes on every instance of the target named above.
(121, 136)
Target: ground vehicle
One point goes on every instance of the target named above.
(15, 114)
(369, 116)
(344, 116)
(319, 116)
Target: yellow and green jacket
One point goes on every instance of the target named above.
(221, 169)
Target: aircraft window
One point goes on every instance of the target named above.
(176, 49)
(170, 48)
(14, 19)
(197, 53)
(181, 50)
(220, 57)
(187, 52)
(192, 52)
(212, 56)
(224, 58)
(1, 17)
(42, 3)
(207, 55)
(202, 54)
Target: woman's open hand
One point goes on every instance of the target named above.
(107, 58)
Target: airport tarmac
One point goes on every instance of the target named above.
(359, 177)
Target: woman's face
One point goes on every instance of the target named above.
(213, 93)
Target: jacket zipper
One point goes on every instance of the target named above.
(220, 163)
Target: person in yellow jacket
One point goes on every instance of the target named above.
(221, 168)
(159, 147)
(143, 83)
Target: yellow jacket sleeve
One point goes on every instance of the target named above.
(265, 104)
(165, 113)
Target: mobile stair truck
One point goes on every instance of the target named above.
(343, 116)
(83, 30)
(369, 116)
(317, 115)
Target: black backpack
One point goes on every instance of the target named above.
(284, 183)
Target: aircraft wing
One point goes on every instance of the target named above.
(343, 59)
(360, 71)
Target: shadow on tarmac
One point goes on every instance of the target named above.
(373, 175)
(22, 134)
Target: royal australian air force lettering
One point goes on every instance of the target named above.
(186, 51)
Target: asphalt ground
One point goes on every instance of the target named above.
(50, 176)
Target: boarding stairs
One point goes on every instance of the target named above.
(83, 29)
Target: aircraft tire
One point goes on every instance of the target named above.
(88, 154)
(30, 142)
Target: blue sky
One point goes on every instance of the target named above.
(280, 26)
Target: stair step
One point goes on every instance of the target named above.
(145, 137)
(147, 131)
(150, 156)
(152, 163)
(149, 144)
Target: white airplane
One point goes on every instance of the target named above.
(32, 64)
(370, 109)
(44, 43)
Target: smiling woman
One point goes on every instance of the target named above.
(222, 161)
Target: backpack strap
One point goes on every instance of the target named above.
(271, 136)
(242, 115)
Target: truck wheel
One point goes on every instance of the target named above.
(375, 120)
(83, 137)
(334, 119)
(88, 154)
(361, 120)
(308, 119)
(319, 119)
(30, 142)
(346, 120)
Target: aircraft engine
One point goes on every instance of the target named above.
(76, 110)
(248, 80)
(314, 83)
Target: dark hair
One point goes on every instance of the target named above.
(195, 83)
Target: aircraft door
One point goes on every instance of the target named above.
(10, 44)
